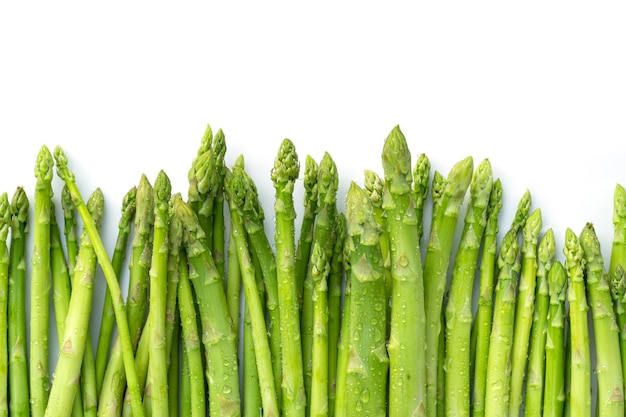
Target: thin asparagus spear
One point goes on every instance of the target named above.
(116, 294)
(70, 229)
(217, 330)
(610, 401)
(501, 338)
(108, 315)
(421, 177)
(524, 309)
(68, 369)
(618, 248)
(368, 365)
(334, 308)
(618, 292)
(5, 225)
(158, 296)
(554, 393)
(252, 400)
(175, 239)
(191, 344)
(173, 371)
(40, 285)
(305, 240)
(580, 357)
(407, 366)
(436, 263)
(458, 311)
(535, 379)
(481, 328)
(185, 386)
(233, 284)
(343, 351)
(19, 398)
(284, 174)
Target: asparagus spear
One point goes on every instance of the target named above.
(368, 364)
(533, 400)
(481, 327)
(436, 263)
(458, 311)
(618, 292)
(618, 249)
(108, 315)
(524, 309)
(610, 400)
(217, 330)
(40, 285)
(70, 229)
(252, 402)
(218, 244)
(284, 173)
(305, 240)
(158, 295)
(68, 369)
(343, 350)
(19, 398)
(5, 225)
(173, 370)
(421, 177)
(554, 392)
(118, 302)
(407, 365)
(580, 357)
(233, 284)
(501, 338)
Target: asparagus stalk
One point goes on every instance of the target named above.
(252, 401)
(233, 284)
(618, 249)
(40, 285)
(191, 342)
(305, 240)
(68, 369)
(407, 366)
(368, 364)
(481, 329)
(108, 314)
(436, 263)
(19, 399)
(70, 229)
(524, 309)
(618, 292)
(343, 350)
(217, 330)
(580, 357)
(116, 294)
(173, 371)
(284, 174)
(5, 225)
(501, 338)
(421, 177)
(533, 400)
(218, 243)
(554, 392)
(175, 239)
(458, 311)
(610, 400)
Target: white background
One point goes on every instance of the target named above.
(539, 88)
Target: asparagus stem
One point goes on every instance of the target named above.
(580, 357)
(501, 338)
(175, 239)
(19, 398)
(108, 314)
(554, 393)
(458, 311)
(618, 292)
(481, 328)
(116, 294)
(618, 249)
(524, 309)
(70, 229)
(407, 366)
(233, 284)
(5, 226)
(436, 263)
(74, 339)
(284, 174)
(421, 177)
(535, 380)
(252, 400)
(343, 350)
(368, 364)
(40, 285)
(610, 400)
(173, 371)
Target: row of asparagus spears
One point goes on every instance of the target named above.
(342, 318)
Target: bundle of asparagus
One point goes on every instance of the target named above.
(344, 318)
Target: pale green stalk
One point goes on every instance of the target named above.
(618, 248)
(343, 350)
(233, 284)
(305, 239)
(618, 292)
(5, 226)
(70, 229)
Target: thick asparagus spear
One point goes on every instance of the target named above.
(458, 311)
(554, 392)
(5, 226)
(580, 357)
(436, 263)
(305, 239)
(407, 366)
(116, 294)
(610, 400)
(284, 174)
(533, 400)
(68, 369)
(501, 338)
(368, 366)
(524, 309)
(40, 285)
